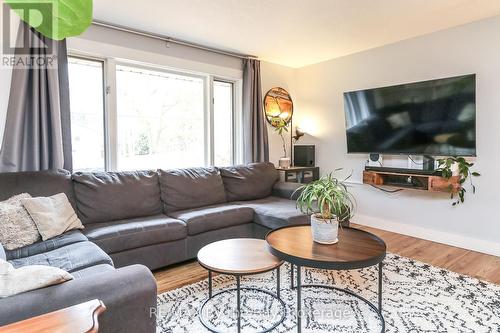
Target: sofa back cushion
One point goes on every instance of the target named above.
(109, 196)
(191, 188)
(37, 184)
(249, 182)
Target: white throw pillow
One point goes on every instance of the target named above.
(14, 281)
(17, 228)
(53, 215)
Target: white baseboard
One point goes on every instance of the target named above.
(464, 242)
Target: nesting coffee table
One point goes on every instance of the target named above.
(355, 249)
(239, 257)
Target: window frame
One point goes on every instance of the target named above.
(110, 113)
(233, 150)
(104, 99)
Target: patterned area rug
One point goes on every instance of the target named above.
(417, 297)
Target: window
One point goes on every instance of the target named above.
(87, 114)
(160, 119)
(223, 123)
(154, 117)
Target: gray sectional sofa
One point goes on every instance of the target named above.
(136, 222)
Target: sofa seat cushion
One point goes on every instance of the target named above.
(92, 270)
(129, 234)
(70, 258)
(214, 217)
(70, 237)
(110, 196)
(249, 182)
(191, 188)
(274, 212)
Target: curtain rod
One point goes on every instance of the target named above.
(168, 39)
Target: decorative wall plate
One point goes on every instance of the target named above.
(278, 107)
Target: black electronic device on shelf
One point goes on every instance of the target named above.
(404, 171)
(304, 155)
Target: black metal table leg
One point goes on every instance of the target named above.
(278, 284)
(380, 287)
(238, 302)
(291, 275)
(299, 300)
(209, 284)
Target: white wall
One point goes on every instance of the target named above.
(110, 43)
(472, 48)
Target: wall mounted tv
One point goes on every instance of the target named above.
(436, 118)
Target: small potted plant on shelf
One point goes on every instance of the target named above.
(329, 202)
(280, 126)
(463, 170)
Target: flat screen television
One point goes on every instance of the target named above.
(435, 118)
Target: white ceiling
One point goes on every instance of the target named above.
(294, 33)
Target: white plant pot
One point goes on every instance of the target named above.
(324, 231)
(284, 162)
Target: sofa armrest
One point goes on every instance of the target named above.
(129, 294)
(286, 189)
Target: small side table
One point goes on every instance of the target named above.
(239, 257)
(80, 318)
(296, 174)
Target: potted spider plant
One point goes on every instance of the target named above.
(329, 203)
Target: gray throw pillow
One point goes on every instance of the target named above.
(53, 215)
(17, 228)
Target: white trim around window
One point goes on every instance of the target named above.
(110, 112)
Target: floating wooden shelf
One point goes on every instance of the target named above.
(412, 181)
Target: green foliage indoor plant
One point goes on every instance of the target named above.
(446, 165)
(281, 127)
(329, 202)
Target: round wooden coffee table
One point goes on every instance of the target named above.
(355, 249)
(239, 257)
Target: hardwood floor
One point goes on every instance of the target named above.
(471, 263)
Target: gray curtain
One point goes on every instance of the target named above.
(255, 141)
(38, 130)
